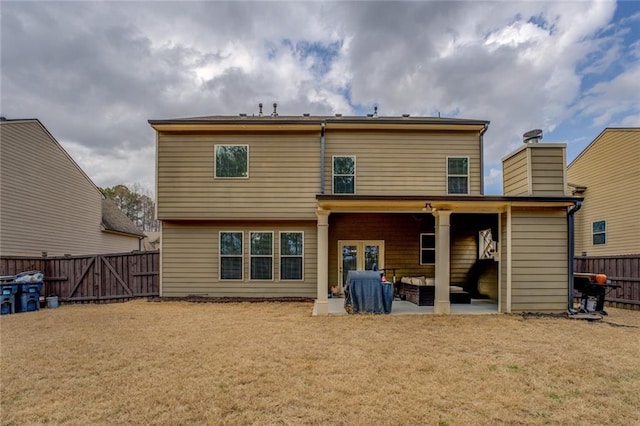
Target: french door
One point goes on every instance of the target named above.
(358, 255)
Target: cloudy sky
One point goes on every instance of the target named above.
(95, 72)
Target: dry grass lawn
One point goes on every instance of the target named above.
(272, 363)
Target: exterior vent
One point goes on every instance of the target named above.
(532, 136)
(260, 107)
(243, 114)
(305, 114)
(338, 115)
(406, 115)
(275, 110)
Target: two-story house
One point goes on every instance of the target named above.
(48, 204)
(275, 206)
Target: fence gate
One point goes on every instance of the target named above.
(96, 278)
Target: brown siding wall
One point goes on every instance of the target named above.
(609, 170)
(403, 163)
(48, 203)
(284, 177)
(539, 260)
(190, 261)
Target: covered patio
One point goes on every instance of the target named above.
(403, 307)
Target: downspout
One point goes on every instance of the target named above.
(322, 158)
(482, 132)
(570, 224)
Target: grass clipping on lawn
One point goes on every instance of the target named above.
(272, 363)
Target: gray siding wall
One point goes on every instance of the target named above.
(403, 162)
(190, 261)
(284, 177)
(47, 204)
(539, 260)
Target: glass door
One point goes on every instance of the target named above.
(360, 255)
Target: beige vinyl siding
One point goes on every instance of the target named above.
(610, 169)
(284, 177)
(403, 162)
(47, 204)
(535, 169)
(503, 262)
(515, 179)
(539, 260)
(547, 170)
(190, 261)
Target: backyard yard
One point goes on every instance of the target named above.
(272, 363)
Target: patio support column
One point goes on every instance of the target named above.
(442, 304)
(322, 303)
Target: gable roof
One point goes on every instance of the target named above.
(601, 136)
(114, 220)
(36, 122)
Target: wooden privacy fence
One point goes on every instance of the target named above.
(96, 278)
(621, 270)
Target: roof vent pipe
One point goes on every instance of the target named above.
(375, 111)
(532, 136)
(260, 112)
(275, 110)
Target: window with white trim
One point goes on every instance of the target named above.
(599, 230)
(231, 161)
(344, 174)
(457, 175)
(261, 254)
(427, 249)
(231, 255)
(291, 255)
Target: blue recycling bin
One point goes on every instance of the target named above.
(7, 304)
(29, 302)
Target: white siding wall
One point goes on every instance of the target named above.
(190, 261)
(46, 203)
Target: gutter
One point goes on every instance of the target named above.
(570, 225)
(322, 161)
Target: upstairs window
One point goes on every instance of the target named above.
(457, 175)
(231, 255)
(261, 255)
(599, 232)
(291, 255)
(344, 174)
(232, 161)
(427, 249)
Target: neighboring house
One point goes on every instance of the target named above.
(280, 206)
(48, 205)
(151, 240)
(607, 175)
